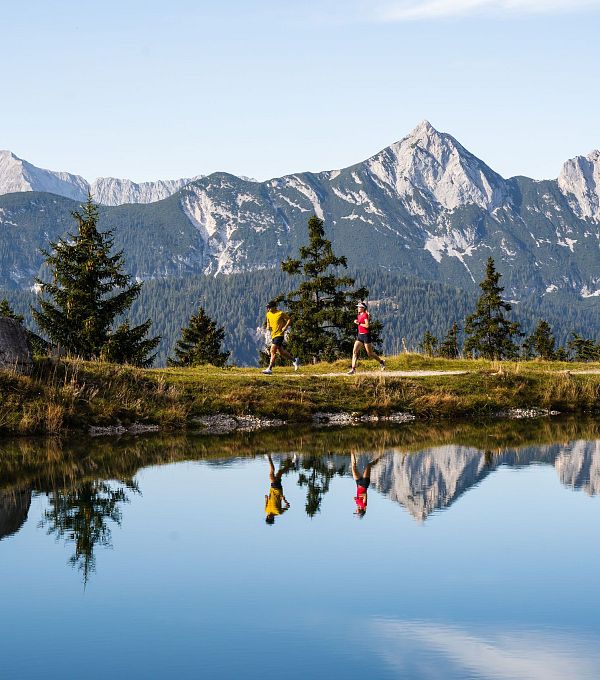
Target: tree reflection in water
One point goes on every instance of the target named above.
(316, 474)
(83, 515)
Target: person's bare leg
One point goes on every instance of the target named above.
(285, 353)
(368, 466)
(355, 474)
(271, 468)
(371, 352)
(286, 466)
(355, 353)
(273, 356)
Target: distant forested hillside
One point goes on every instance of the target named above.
(407, 307)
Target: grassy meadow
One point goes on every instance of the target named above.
(70, 395)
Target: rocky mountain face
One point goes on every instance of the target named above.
(425, 206)
(578, 466)
(433, 479)
(19, 175)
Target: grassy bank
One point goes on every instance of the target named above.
(72, 395)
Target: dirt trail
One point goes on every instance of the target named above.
(390, 374)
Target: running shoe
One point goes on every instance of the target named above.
(267, 371)
(352, 371)
(296, 363)
(382, 364)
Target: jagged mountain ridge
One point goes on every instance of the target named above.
(433, 479)
(424, 206)
(18, 175)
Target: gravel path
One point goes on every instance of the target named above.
(390, 374)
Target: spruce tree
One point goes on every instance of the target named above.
(200, 343)
(323, 306)
(8, 312)
(449, 346)
(428, 344)
(88, 291)
(584, 349)
(541, 343)
(490, 332)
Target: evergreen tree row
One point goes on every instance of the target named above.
(89, 306)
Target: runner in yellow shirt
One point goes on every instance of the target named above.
(275, 499)
(277, 323)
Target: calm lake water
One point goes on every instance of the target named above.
(478, 555)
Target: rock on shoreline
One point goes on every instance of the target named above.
(136, 428)
(324, 418)
(221, 423)
(520, 413)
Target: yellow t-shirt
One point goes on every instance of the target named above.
(276, 322)
(273, 504)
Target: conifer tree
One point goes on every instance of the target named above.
(428, 344)
(82, 515)
(561, 354)
(583, 348)
(323, 306)
(200, 343)
(316, 475)
(88, 291)
(541, 343)
(449, 346)
(490, 332)
(8, 312)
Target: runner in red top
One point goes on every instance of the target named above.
(362, 484)
(363, 338)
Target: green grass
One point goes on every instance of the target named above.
(69, 395)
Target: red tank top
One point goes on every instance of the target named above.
(361, 318)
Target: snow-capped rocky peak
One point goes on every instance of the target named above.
(579, 180)
(19, 175)
(436, 164)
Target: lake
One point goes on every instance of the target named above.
(473, 553)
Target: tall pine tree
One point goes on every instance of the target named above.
(490, 332)
(88, 291)
(200, 343)
(323, 306)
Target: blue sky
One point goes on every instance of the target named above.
(150, 90)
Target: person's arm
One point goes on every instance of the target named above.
(365, 322)
(285, 500)
(287, 323)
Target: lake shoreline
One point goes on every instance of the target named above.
(68, 396)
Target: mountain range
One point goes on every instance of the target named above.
(17, 175)
(434, 479)
(424, 206)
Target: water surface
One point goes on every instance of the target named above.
(477, 557)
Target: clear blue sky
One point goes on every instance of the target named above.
(148, 90)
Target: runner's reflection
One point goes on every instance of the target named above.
(362, 484)
(275, 499)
